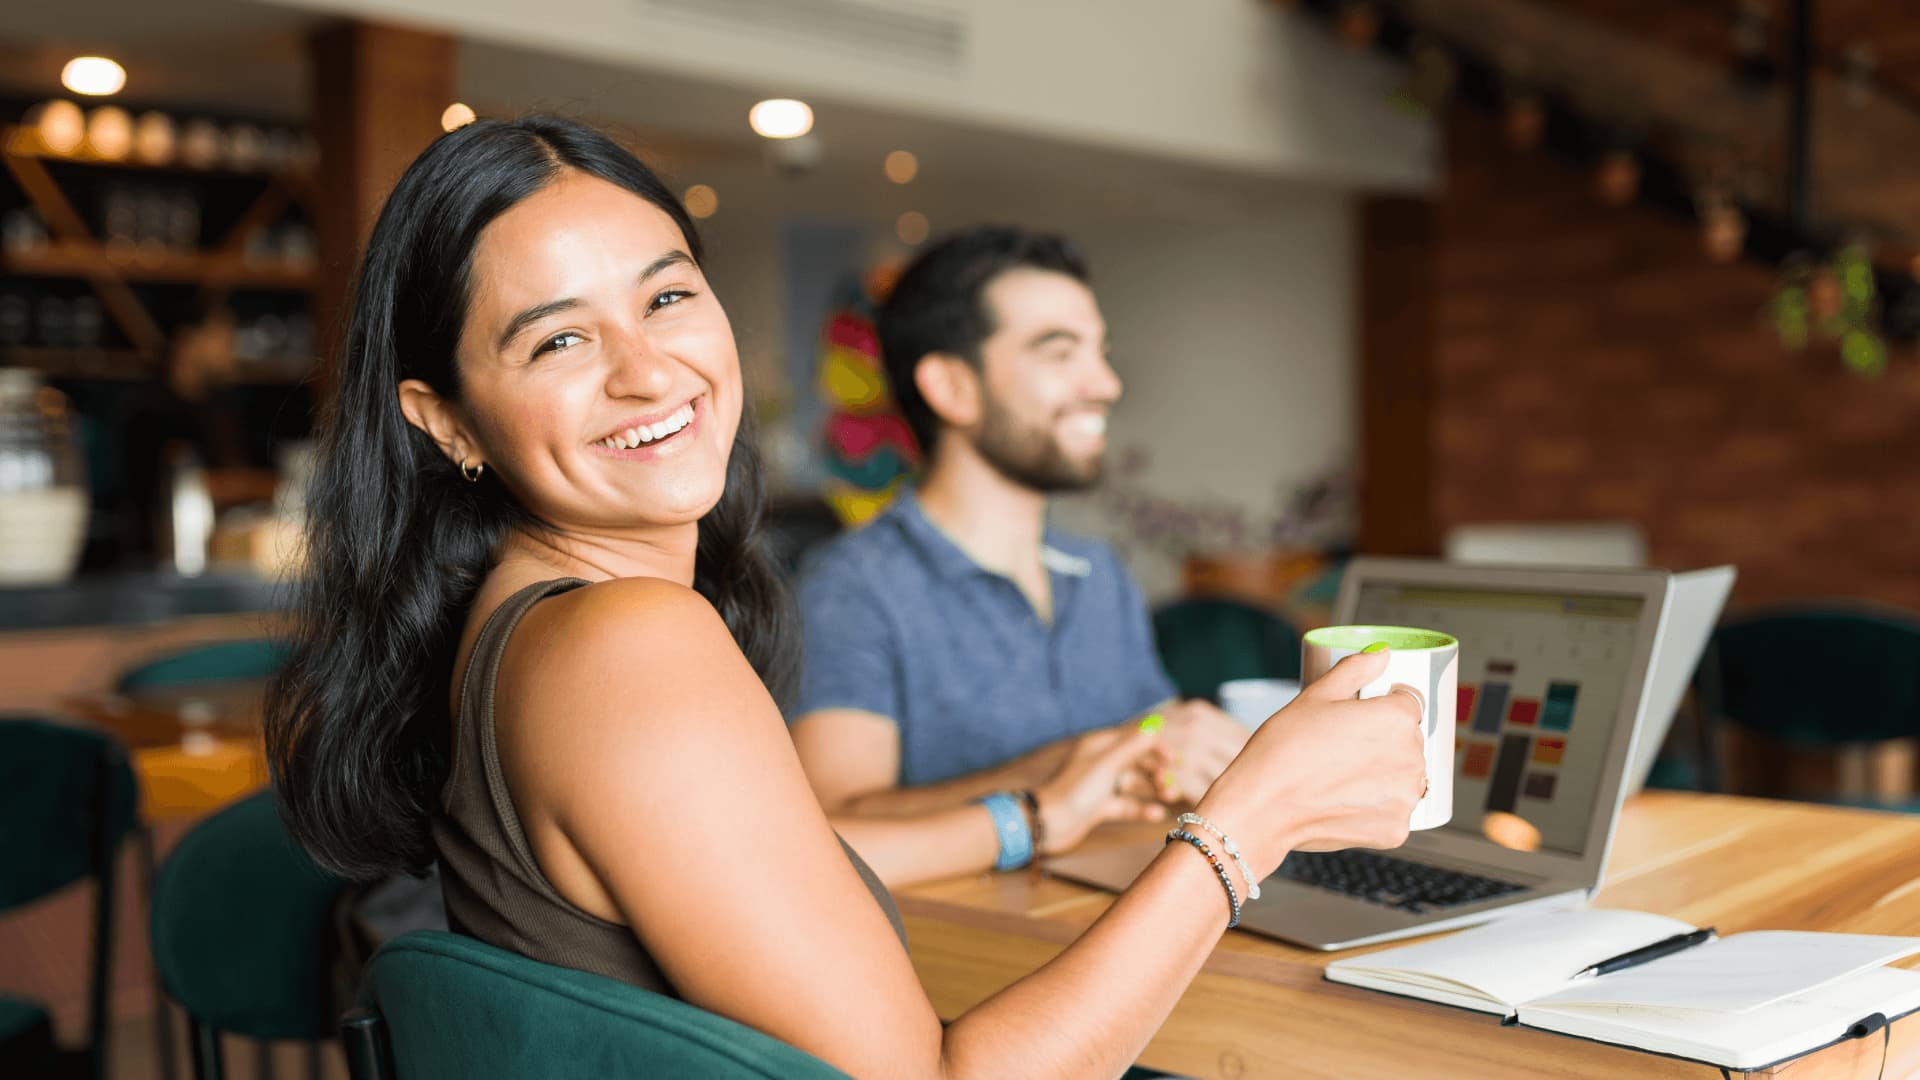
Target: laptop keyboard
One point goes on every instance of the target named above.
(1396, 883)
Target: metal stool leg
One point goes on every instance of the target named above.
(163, 1046)
(205, 1042)
(364, 1039)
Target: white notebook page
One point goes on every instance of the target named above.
(1513, 960)
(1738, 973)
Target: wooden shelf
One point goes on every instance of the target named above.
(74, 260)
(19, 142)
(80, 363)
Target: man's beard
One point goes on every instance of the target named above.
(1031, 456)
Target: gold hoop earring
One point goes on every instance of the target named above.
(473, 476)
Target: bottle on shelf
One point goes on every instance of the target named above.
(43, 486)
(190, 518)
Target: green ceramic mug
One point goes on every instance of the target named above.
(1425, 661)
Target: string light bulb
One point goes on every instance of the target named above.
(1359, 23)
(1723, 230)
(1618, 178)
(901, 166)
(701, 201)
(1526, 120)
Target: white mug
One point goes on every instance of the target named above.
(1251, 701)
(1426, 661)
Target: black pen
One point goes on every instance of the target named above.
(1645, 953)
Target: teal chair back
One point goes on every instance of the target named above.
(441, 1006)
(67, 801)
(1816, 677)
(220, 661)
(242, 931)
(1205, 641)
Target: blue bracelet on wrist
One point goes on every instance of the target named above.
(1010, 825)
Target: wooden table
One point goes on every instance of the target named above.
(194, 748)
(1260, 1007)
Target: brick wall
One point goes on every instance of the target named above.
(1591, 363)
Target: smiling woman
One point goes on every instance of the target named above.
(538, 636)
(530, 290)
(605, 326)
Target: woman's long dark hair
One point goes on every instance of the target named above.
(357, 724)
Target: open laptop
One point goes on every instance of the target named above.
(1694, 601)
(1553, 677)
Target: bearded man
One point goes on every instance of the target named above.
(963, 658)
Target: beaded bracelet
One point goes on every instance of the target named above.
(1034, 823)
(1219, 871)
(1010, 826)
(1233, 849)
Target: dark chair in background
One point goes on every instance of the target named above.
(219, 673)
(1825, 679)
(243, 934)
(244, 660)
(440, 1006)
(66, 803)
(1205, 641)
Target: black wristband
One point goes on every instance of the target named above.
(1035, 826)
(1219, 870)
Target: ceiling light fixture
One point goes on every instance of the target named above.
(781, 118)
(94, 76)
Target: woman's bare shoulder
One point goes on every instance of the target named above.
(582, 653)
(623, 620)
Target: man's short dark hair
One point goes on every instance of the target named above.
(939, 305)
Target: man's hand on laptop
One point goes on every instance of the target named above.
(1202, 741)
(1100, 781)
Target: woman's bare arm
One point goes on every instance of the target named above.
(657, 785)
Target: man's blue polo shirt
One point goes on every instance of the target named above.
(899, 621)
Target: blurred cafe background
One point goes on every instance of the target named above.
(1620, 282)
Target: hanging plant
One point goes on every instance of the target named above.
(1834, 302)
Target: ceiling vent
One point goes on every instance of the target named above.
(910, 35)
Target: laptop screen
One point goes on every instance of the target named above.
(1542, 678)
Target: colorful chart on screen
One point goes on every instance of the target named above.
(1541, 682)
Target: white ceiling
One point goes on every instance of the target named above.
(236, 57)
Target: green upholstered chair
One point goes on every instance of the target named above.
(1205, 641)
(244, 660)
(441, 1006)
(26, 1038)
(220, 661)
(67, 798)
(1817, 678)
(242, 933)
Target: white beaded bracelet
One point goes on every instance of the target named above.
(1233, 850)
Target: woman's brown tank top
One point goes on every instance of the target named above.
(494, 889)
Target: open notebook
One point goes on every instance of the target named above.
(1745, 1001)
